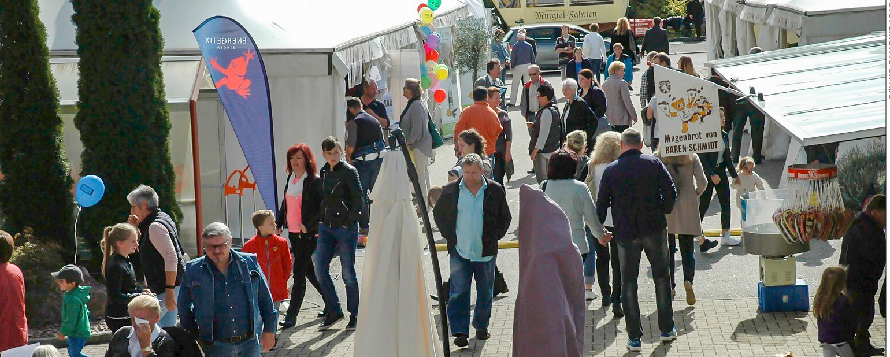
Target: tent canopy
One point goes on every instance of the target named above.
(820, 93)
(355, 31)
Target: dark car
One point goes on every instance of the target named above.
(545, 39)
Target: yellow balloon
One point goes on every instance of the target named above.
(441, 73)
(426, 16)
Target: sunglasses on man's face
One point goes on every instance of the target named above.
(215, 247)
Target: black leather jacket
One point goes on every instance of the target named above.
(495, 221)
(163, 346)
(310, 209)
(120, 280)
(341, 195)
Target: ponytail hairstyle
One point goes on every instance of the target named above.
(113, 235)
(834, 279)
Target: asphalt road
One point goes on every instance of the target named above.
(722, 273)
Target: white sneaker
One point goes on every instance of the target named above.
(589, 295)
(730, 240)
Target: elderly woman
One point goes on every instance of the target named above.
(573, 197)
(12, 292)
(619, 107)
(683, 223)
(607, 149)
(576, 114)
(414, 122)
(620, 56)
(160, 255)
(151, 339)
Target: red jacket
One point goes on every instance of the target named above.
(14, 331)
(273, 255)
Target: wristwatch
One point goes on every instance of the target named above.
(148, 351)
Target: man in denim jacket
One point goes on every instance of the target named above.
(225, 299)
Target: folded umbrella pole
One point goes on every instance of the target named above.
(397, 139)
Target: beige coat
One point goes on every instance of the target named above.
(690, 180)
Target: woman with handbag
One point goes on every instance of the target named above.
(299, 214)
(414, 122)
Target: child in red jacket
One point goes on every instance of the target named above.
(273, 254)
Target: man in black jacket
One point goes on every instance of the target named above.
(862, 251)
(695, 14)
(341, 207)
(656, 38)
(150, 339)
(640, 192)
(472, 215)
(716, 164)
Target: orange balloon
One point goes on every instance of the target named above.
(439, 96)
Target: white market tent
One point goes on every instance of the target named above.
(312, 51)
(775, 24)
(818, 94)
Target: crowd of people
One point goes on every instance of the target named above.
(586, 158)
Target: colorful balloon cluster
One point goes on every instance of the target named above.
(431, 71)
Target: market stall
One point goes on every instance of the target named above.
(816, 94)
(777, 24)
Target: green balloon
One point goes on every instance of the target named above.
(434, 4)
(425, 82)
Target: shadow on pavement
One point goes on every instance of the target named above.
(769, 324)
(609, 330)
(819, 251)
(529, 179)
(707, 260)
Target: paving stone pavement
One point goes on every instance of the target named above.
(710, 328)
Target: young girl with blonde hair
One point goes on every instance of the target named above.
(118, 242)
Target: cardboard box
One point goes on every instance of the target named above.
(778, 271)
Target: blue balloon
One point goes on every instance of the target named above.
(426, 30)
(89, 191)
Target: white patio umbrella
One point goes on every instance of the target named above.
(397, 318)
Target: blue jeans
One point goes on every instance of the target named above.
(597, 68)
(590, 261)
(367, 176)
(75, 345)
(462, 273)
(687, 254)
(249, 348)
(629, 254)
(168, 318)
(342, 240)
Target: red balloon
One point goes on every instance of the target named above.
(432, 55)
(421, 6)
(439, 96)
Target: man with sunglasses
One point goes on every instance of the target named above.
(528, 101)
(225, 299)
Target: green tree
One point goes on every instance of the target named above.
(36, 188)
(647, 9)
(471, 45)
(122, 113)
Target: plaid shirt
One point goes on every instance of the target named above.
(644, 89)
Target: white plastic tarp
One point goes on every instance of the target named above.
(355, 31)
(180, 74)
(821, 93)
(813, 21)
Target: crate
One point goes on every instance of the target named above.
(783, 298)
(778, 271)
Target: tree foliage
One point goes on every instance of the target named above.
(861, 173)
(35, 190)
(647, 9)
(471, 45)
(122, 114)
